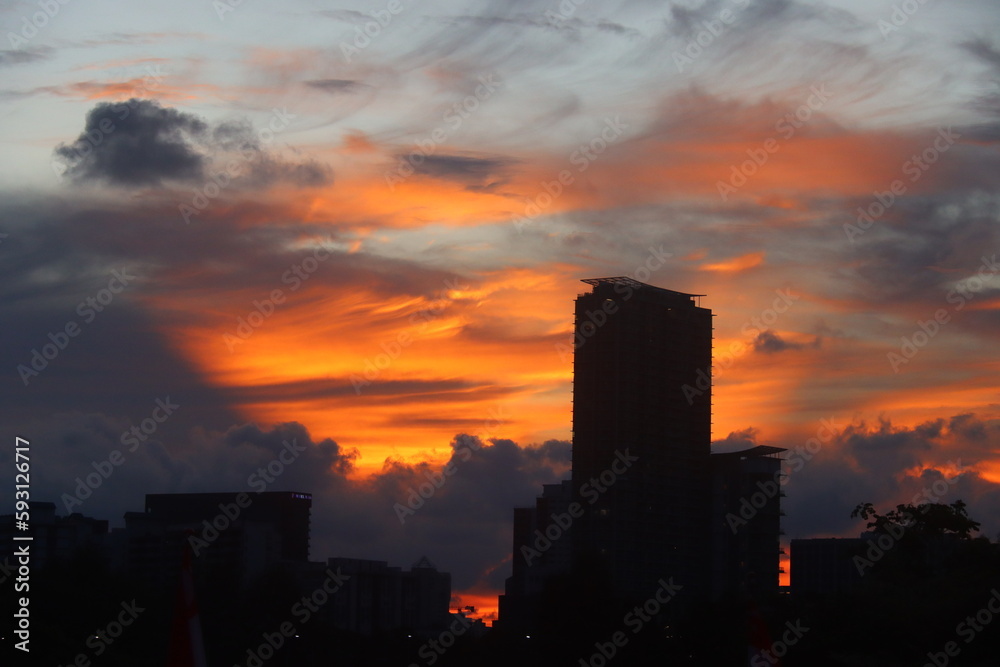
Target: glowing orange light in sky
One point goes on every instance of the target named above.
(736, 264)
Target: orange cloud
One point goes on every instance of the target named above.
(144, 87)
(395, 378)
(736, 264)
(356, 141)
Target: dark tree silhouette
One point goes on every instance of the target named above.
(926, 520)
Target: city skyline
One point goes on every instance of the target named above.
(254, 250)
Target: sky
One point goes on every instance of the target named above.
(360, 227)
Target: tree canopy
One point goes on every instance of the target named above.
(927, 520)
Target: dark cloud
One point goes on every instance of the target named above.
(923, 244)
(476, 172)
(141, 143)
(23, 56)
(985, 50)
(769, 342)
(136, 143)
(347, 15)
(260, 167)
(753, 16)
(884, 448)
(335, 85)
(307, 174)
(986, 133)
(387, 391)
(616, 28)
(557, 18)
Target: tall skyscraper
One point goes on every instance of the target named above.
(642, 361)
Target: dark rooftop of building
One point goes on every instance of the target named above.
(753, 452)
(634, 284)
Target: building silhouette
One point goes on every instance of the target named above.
(288, 513)
(826, 565)
(653, 502)
(542, 552)
(636, 348)
(379, 600)
(746, 521)
(235, 536)
(54, 539)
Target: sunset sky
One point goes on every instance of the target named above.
(363, 226)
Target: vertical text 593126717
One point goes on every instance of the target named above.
(22, 552)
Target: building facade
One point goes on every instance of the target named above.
(746, 521)
(542, 553)
(642, 358)
(379, 600)
(826, 565)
